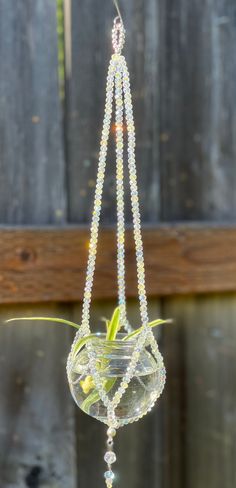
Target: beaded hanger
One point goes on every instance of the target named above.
(118, 91)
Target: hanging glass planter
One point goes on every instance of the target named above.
(116, 377)
(112, 360)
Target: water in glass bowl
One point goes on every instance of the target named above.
(113, 358)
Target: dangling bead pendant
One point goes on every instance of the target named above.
(110, 457)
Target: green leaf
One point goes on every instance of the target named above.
(94, 397)
(113, 328)
(154, 323)
(81, 342)
(114, 325)
(46, 319)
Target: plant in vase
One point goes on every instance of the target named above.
(113, 350)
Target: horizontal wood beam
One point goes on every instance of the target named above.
(48, 264)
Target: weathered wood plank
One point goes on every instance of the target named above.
(37, 446)
(32, 177)
(49, 263)
(92, 22)
(197, 116)
(37, 436)
(210, 417)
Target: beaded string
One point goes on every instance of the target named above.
(118, 79)
(85, 329)
(134, 196)
(117, 66)
(119, 125)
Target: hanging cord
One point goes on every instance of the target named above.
(118, 10)
(119, 126)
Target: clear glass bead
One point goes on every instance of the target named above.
(111, 432)
(109, 475)
(110, 457)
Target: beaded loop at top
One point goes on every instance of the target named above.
(118, 35)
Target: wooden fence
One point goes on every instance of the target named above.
(181, 56)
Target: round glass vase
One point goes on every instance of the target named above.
(112, 360)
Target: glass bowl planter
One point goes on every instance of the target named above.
(112, 358)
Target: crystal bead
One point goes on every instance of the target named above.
(109, 483)
(109, 475)
(111, 432)
(110, 457)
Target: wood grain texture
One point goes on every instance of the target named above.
(92, 22)
(37, 436)
(207, 398)
(37, 445)
(32, 163)
(197, 112)
(49, 263)
(197, 116)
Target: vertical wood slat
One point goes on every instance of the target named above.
(91, 49)
(36, 430)
(37, 426)
(32, 185)
(198, 66)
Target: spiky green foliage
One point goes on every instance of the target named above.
(112, 328)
